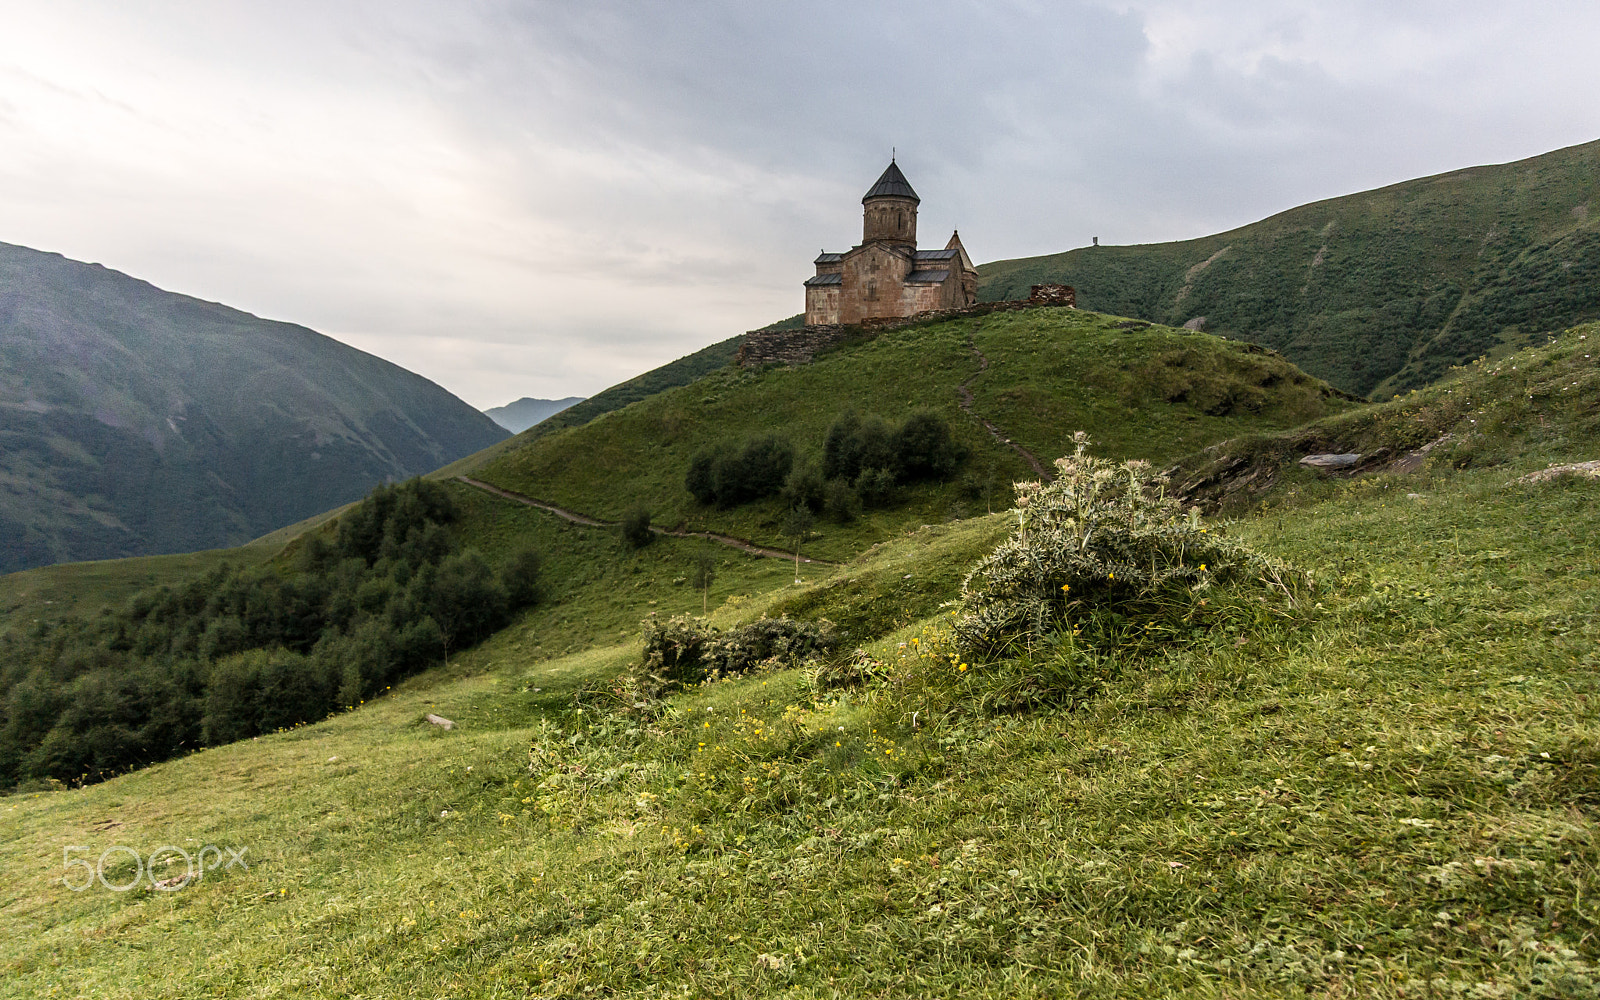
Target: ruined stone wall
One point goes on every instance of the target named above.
(789, 347)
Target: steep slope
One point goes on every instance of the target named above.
(518, 416)
(1536, 407)
(137, 421)
(1031, 378)
(1376, 292)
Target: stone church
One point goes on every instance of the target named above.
(887, 276)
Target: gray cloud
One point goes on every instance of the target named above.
(545, 198)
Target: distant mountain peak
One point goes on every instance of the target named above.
(139, 421)
(524, 413)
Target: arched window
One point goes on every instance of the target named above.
(872, 291)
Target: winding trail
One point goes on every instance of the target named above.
(738, 543)
(988, 425)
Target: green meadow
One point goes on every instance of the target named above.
(1386, 788)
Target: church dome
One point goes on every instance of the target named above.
(892, 184)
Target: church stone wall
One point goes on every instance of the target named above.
(924, 298)
(873, 279)
(822, 304)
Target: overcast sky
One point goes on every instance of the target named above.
(543, 199)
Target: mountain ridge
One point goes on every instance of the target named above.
(518, 415)
(139, 421)
(1376, 291)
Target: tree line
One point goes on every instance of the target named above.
(383, 593)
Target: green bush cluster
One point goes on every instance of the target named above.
(683, 651)
(385, 593)
(728, 475)
(636, 533)
(863, 459)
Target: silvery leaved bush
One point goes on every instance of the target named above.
(1102, 537)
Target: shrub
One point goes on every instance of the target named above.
(759, 470)
(1099, 539)
(682, 651)
(701, 479)
(875, 486)
(924, 449)
(259, 691)
(636, 533)
(728, 478)
(840, 501)
(853, 444)
(520, 576)
(804, 487)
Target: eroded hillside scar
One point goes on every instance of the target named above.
(965, 392)
(742, 544)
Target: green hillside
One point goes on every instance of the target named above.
(1037, 375)
(1376, 292)
(1536, 407)
(670, 375)
(1383, 789)
(135, 421)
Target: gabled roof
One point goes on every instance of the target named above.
(825, 279)
(892, 184)
(920, 277)
(828, 258)
(944, 254)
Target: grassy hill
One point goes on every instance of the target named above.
(1387, 791)
(136, 421)
(669, 376)
(1038, 375)
(1537, 405)
(1377, 292)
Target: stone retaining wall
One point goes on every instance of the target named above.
(799, 345)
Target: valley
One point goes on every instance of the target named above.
(1384, 785)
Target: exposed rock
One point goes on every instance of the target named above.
(440, 721)
(1413, 461)
(1053, 295)
(1343, 461)
(1590, 469)
(1197, 324)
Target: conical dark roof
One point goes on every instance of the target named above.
(892, 184)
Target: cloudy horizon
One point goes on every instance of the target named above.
(543, 199)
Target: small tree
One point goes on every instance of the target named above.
(636, 527)
(840, 500)
(797, 525)
(703, 575)
(520, 577)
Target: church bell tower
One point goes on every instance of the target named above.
(889, 210)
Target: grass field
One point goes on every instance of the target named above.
(1392, 797)
(1144, 392)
